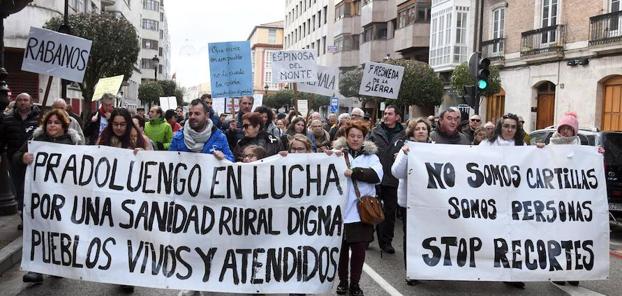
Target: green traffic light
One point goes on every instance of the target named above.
(482, 84)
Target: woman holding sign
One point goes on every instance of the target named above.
(366, 170)
(418, 130)
(55, 126)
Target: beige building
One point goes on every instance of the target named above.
(556, 56)
(265, 39)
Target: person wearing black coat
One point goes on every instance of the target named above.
(255, 135)
(384, 136)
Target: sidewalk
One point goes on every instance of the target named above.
(10, 242)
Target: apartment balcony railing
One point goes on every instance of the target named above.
(543, 40)
(493, 49)
(606, 28)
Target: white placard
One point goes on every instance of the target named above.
(218, 104)
(257, 100)
(381, 80)
(56, 54)
(293, 66)
(168, 103)
(188, 221)
(507, 213)
(303, 107)
(325, 84)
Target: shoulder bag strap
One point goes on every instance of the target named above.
(354, 183)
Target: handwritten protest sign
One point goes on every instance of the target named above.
(56, 54)
(381, 80)
(107, 85)
(168, 103)
(303, 107)
(184, 220)
(325, 83)
(478, 214)
(293, 66)
(230, 69)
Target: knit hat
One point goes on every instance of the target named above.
(569, 119)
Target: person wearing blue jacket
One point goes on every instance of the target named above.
(199, 134)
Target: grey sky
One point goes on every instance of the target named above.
(195, 23)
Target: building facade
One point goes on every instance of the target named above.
(154, 43)
(264, 40)
(348, 33)
(556, 56)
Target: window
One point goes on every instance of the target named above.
(375, 31)
(271, 36)
(150, 44)
(151, 5)
(160, 69)
(549, 18)
(345, 9)
(161, 16)
(319, 19)
(325, 13)
(309, 26)
(440, 37)
(304, 29)
(161, 34)
(416, 13)
(160, 51)
(461, 27)
(318, 48)
(614, 22)
(150, 24)
(146, 64)
(324, 43)
(498, 19)
(313, 23)
(347, 42)
(78, 5)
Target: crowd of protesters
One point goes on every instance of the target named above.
(377, 152)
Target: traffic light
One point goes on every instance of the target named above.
(470, 95)
(483, 74)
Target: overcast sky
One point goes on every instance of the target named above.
(195, 23)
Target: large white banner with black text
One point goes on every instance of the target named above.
(184, 220)
(506, 213)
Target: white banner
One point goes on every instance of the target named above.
(168, 103)
(507, 213)
(381, 80)
(184, 220)
(325, 84)
(293, 66)
(56, 54)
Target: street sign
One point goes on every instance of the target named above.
(334, 105)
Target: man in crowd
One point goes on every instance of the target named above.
(99, 120)
(331, 120)
(69, 110)
(171, 119)
(140, 111)
(207, 98)
(384, 136)
(475, 121)
(246, 106)
(357, 114)
(200, 135)
(16, 129)
(179, 113)
(158, 130)
(447, 132)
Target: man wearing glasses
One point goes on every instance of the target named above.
(474, 123)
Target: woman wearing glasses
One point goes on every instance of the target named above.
(255, 135)
(508, 132)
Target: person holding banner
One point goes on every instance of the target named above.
(123, 133)
(200, 135)
(55, 126)
(365, 169)
(418, 130)
(507, 132)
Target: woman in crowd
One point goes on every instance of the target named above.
(255, 135)
(267, 117)
(507, 133)
(418, 130)
(55, 127)
(366, 170)
(320, 139)
(253, 153)
(297, 126)
(342, 119)
(298, 144)
(281, 126)
(122, 133)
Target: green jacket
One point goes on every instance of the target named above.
(159, 131)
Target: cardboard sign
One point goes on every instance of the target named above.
(188, 221)
(56, 54)
(230, 69)
(293, 66)
(107, 85)
(303, 107)
(381, 80)
(506, 213)
(168, 103)
(325, 84)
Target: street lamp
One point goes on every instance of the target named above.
(155, 61)
(265, 89)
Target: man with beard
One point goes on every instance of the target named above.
(447, 132)
(199, 134)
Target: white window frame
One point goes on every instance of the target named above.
(497, 30)
(550, 19)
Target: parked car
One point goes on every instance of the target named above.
(612, 143)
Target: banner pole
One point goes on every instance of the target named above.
(47, 91)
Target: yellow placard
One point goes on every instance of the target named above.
(107, 85)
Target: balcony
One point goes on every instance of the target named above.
(494, 49)
(414, 35)
(606, 30)
(547, 41)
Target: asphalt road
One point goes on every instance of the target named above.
(382, 276)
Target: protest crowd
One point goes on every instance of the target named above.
(375, 151)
